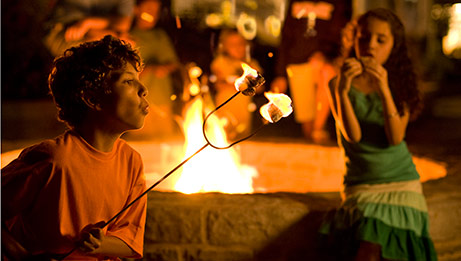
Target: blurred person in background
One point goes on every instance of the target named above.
(72, 22)
(307, 59)
(161, 63)
(226, 67)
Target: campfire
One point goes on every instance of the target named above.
(218, 169)
(211, 170)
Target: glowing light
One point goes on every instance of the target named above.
(211, 170)
(279, 106)
(194, 86)
(273, 25)
(178, 22)
(195, 71)
(247, 27)
(300, 13)
(452, 41)
(147, 17)
(194, 89)
(213, 20)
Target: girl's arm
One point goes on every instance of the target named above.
(342, 107)
(394, 124)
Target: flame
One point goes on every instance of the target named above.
(279, 106)
(247, 70)
(211, 170)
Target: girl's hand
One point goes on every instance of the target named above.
(377, 72)
(350, 69)
(92, 237)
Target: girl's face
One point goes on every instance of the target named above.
(126, 106)
(235, 46)
(374, 39)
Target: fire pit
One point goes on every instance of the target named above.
(294, 184)
(274, 166)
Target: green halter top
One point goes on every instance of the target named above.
(373, 160)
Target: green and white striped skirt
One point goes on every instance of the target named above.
(393, 215)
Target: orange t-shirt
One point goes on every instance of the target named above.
(57, 187)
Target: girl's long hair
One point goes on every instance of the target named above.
(402, 77)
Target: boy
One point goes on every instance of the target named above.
(56, 194)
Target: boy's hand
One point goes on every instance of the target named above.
(91, 238)
(94, 242)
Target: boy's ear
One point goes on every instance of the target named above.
(91, 102)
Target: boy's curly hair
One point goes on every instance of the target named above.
(86, 71)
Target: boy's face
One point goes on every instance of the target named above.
(126, 106)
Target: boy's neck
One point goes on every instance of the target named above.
(98, 139)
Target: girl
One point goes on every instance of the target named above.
(384, 213)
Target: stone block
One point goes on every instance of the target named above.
(173, 224)
(160, 252)
(252, 225)
(214, 254)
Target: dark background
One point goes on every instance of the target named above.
(28, 113)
